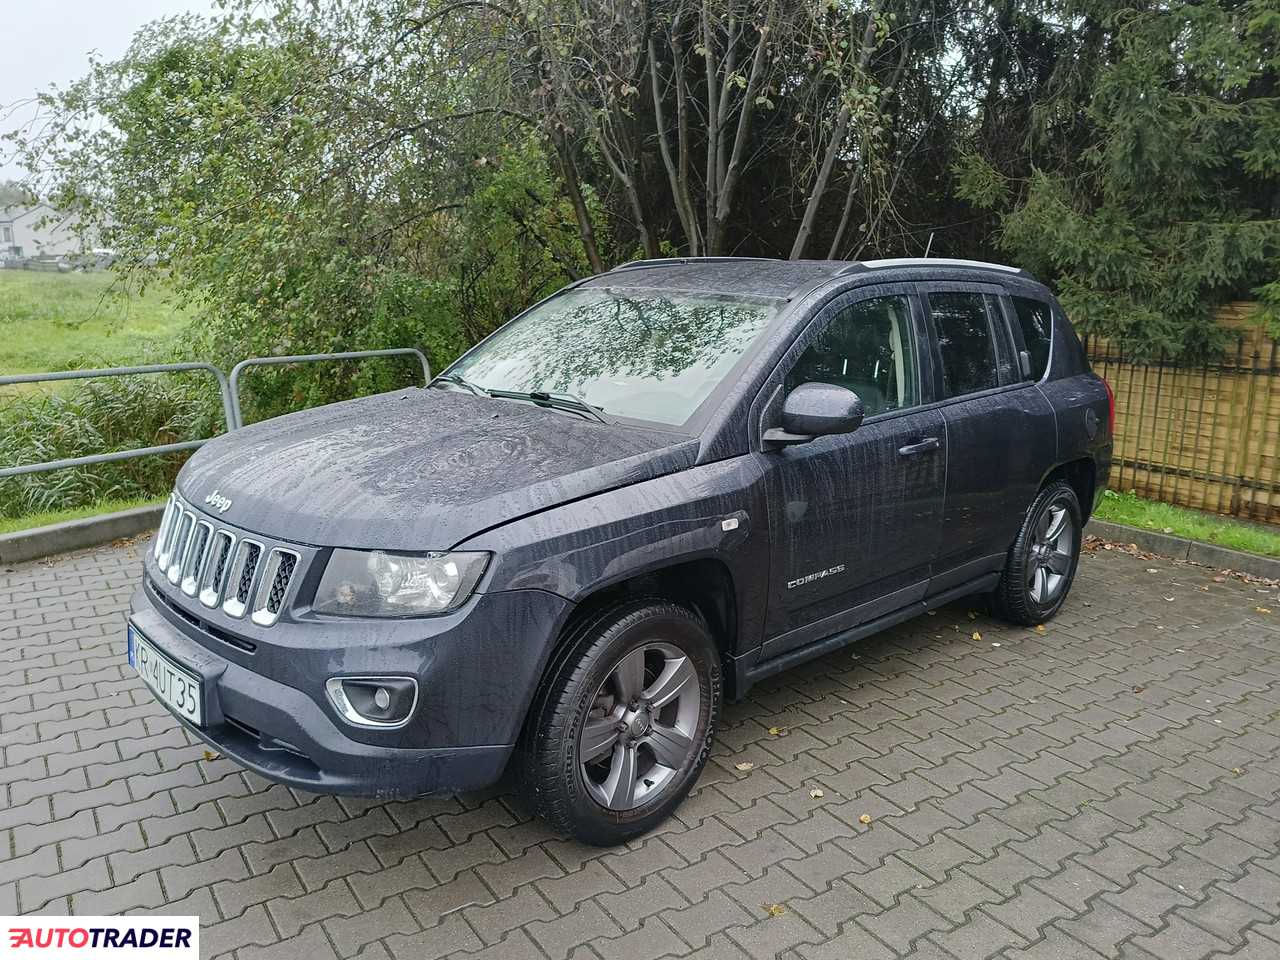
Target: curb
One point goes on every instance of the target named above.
(1179, 548)
(76, 534)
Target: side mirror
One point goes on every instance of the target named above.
(816, 410)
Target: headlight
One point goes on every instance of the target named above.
(357, 583)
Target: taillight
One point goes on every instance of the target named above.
(1111, 408)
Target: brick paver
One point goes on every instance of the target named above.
(1106, 787)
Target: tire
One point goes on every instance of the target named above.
(621, 731)
(1041, 568)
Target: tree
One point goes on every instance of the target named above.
(1158, 194)
(295, 178)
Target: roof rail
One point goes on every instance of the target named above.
(861, 266)
(680, 261)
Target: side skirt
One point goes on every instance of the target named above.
(747, 671)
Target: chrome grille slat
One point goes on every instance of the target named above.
(222, 568)
(243, 571)
(168, 533)
(197, 556)
(181, 540)
(214, 576)
(273, 586)
(162, 534)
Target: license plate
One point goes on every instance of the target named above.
(174, 685)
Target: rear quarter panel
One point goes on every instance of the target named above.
(1081, 406)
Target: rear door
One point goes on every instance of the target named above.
(855, 518)
(1001, 434)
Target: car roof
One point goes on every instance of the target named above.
(764, 277)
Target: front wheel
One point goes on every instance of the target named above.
(625, 724)
(1042, 561)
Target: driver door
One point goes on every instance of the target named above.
(856, 517)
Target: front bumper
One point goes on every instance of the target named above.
(475, 681)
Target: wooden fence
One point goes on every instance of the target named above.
(1204, 436)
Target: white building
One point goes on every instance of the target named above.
(39, 231)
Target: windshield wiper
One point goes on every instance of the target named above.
(461, 381)
(557, 401)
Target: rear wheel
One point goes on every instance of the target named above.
(625, 725)
(1042, 561)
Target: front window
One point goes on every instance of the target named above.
(866, 348)
(632, 353)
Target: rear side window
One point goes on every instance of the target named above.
(1036, 322)
(867, 347)
(965, 342)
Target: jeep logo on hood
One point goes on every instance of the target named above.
(218, 502)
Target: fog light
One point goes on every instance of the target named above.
(374, 701)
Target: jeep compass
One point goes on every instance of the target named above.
(637, 498)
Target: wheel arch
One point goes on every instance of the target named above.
(704, 584)
(1082, 475)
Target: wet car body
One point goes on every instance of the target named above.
(787, 550)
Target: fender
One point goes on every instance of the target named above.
(576, 550)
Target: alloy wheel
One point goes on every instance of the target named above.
(1052, 550)
(640, 729)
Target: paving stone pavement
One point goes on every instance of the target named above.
(1106, 788)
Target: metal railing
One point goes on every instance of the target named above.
(237, 421)
(228, 389)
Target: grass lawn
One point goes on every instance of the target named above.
(9, 525)
(61, 321)
(1182, 522)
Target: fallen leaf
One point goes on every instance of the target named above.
(778, 731)
(1138, 689)
(210, 755)
(1167, 530)
(816, 794)
(1170, 599)
(1263, 609)
(744, 766)
(973, 615)
(865, 818)
(774, 909)
(1237, 771)
(995, 644)
(933, 613)
(1219, 579)
(977, 635)
(1040, 628)
(1152, 570)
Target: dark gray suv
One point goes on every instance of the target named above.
(636, 499)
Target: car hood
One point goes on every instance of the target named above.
(417, 469)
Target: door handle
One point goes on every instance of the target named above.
(926, 445)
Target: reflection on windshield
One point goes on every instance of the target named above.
(633, 353)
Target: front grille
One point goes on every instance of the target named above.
(223, 568)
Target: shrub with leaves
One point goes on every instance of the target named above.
(100, 416)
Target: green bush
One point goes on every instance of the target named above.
(101, 416)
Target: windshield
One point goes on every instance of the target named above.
(642, 354)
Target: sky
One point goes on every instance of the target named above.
(49, 43)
